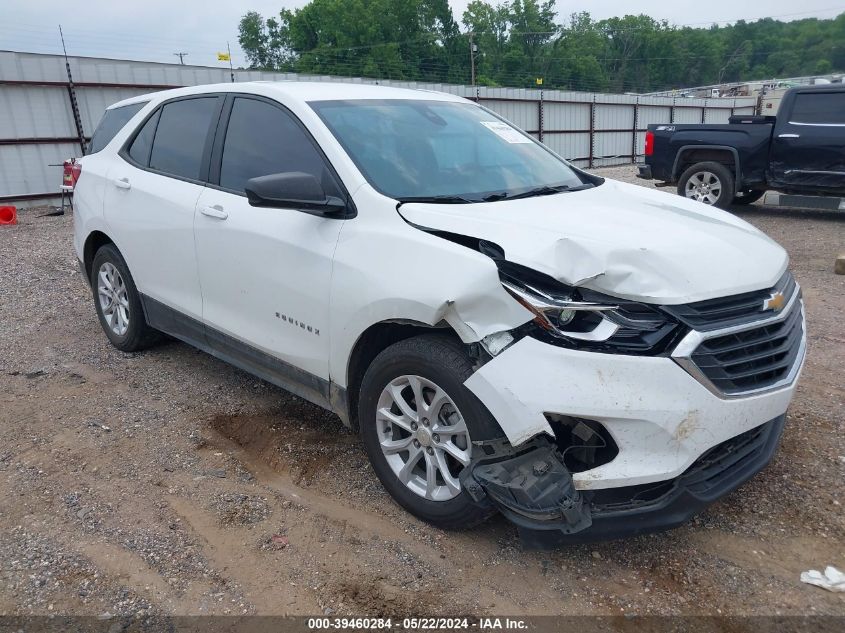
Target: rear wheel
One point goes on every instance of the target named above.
(418, 422)
(118, 303)
(708, 182)
(748, 196)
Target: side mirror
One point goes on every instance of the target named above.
(292, 190)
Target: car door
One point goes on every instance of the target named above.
(266, 272)
(808, 150)
(151, 199)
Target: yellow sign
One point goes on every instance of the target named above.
(223, 57)
(539, 81)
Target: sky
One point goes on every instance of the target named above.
(155, 29)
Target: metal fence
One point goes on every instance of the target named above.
(38, 129)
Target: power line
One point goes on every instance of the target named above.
(446, 71)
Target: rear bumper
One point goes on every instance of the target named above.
(633, 510)
(644, 172)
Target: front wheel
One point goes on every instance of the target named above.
(708, 182)
(418, 422)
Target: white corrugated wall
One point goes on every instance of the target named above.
(37, 130)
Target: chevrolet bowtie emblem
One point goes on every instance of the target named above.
(775, 302)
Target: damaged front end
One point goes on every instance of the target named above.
(532, 489)
(532, 484)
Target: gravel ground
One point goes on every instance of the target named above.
(167, 482)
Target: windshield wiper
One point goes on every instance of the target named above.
(547, 190)
(437, 199)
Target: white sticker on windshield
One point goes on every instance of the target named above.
(505, 131)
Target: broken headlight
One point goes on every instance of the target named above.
(563, 315)
(581, 318)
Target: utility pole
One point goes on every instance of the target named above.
(472, 49)
(181, 57)
(71, 93)
(231, 70)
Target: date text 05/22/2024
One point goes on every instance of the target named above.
(418, 624)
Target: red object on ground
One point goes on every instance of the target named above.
(8, 215)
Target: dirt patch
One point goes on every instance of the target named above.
(239, 509)
(377, 596)
(267, 439)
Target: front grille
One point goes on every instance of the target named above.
(713, 314)
(721, 461)
(713, 471)
(754, 358)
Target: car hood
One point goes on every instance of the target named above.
(624, 240)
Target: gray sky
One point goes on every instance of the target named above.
(155, 29)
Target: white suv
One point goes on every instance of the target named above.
(507, 332)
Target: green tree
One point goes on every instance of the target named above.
(520, 40)
(407, 39)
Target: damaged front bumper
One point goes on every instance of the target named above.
(660, 417)
(534, 490)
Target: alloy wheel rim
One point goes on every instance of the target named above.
(423, 437)
(114, 298)
(704, 186)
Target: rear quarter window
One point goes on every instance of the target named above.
(819, 108)
(112, 122)
(139, 151)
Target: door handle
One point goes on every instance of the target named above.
(789, 136)
(122, 183)
(214, 212)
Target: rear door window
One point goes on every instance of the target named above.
(819, 108)
(262, 139)
(181, 135)
(112, 122)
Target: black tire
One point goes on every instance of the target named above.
(748, 196)
(443, 361)
(723, 176)
(138, 334)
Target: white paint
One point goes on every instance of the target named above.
(625, 240)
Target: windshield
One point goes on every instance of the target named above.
(443, 151)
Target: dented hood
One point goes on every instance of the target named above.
(620, 239)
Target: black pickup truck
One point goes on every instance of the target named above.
(800, 151)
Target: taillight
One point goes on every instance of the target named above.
(71, 169)
(649, 143)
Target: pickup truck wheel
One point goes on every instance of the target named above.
(118, 303)
(418, 421)
(710, 183)
(748, 196)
